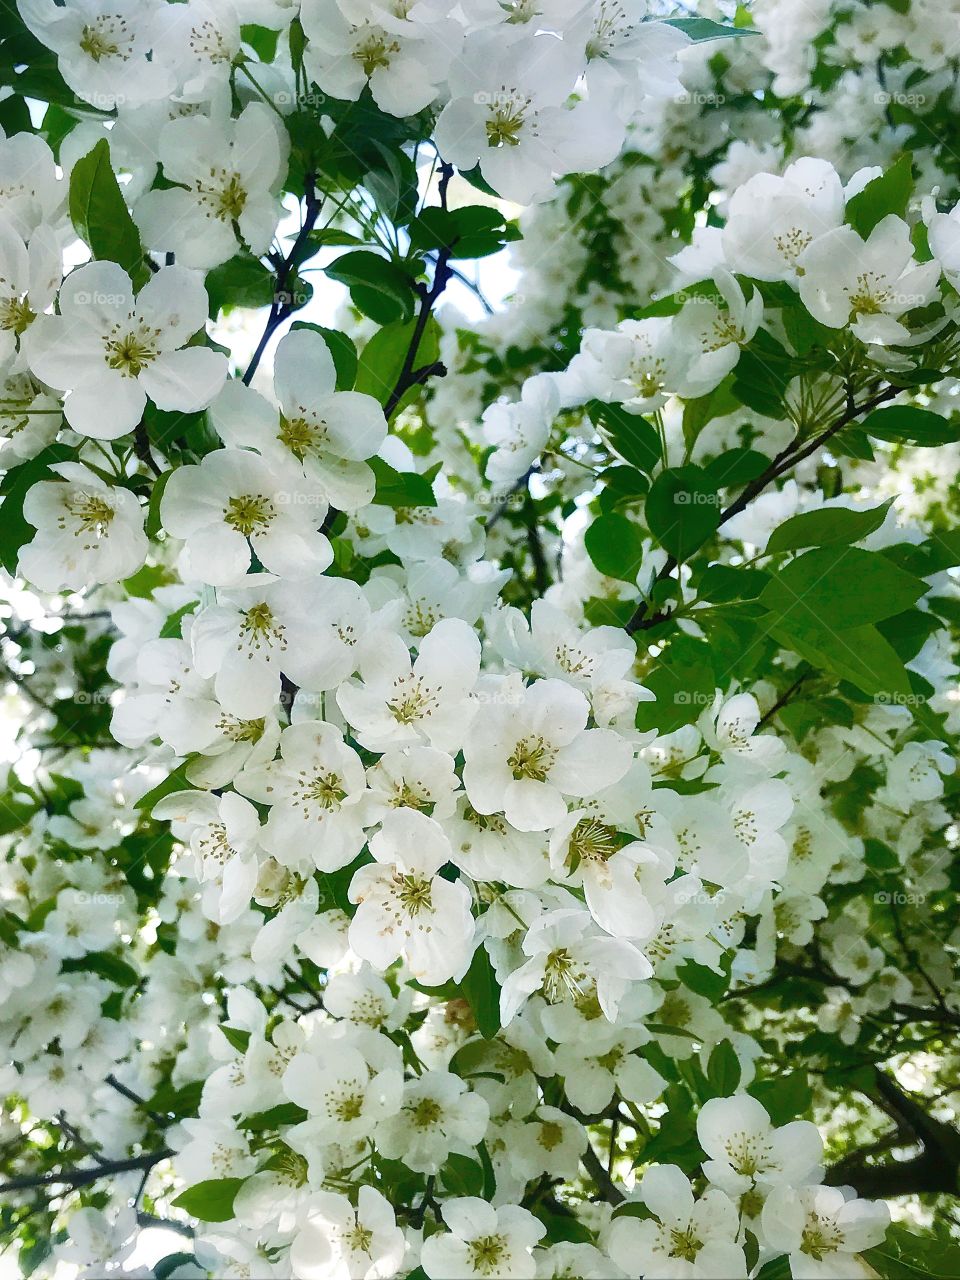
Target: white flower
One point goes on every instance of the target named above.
(439, 1114)
(822, 1229)
(687, 1239)
(101, 48)
(624, 881)
(519, 431)
(482, 1242)
(335, 1241)
(715, 334)
(532, 747)
(771, 220)
(594, 1069)
(730, 728)
(29, 419)
(570, 960)
(29, 279)
(87, 531)
(327, 432)
(355, 44)
(402, 701)
(315, 792)
(110, 352)
(234, 502)
(224, 835)
(506, 114)
(346, 1097)
(868, 284)
(745, 1149)
(30, 192)
(242, 642)
(227, 173)
(405, 908)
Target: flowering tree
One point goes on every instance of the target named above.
(483, 799)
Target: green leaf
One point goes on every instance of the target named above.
(775, 1269)
(210, 1201)
(105, 965)
(705, 982)
(237, 1037)
(472, 231)
(401, 488)
(482, 992)
(682, 510)
(175, 781)
(341, 348)
(242, 281)
(383, 357)
(615, 545)
(889, 193)
(152, 524)
(172, 629)
(826, 527)
(462, 1176)
(906, 1255)
(683, 683)
(788, 1097)
(736, 467)
(99, 212)
(699, 29)
(632, 436)
(283, 1113)
(377, 286)
(906, 424)
(172, 1262)
(860, 655)
(621, 485)
(723, 1069)
(837, 587)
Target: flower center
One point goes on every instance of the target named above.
(820, 1237)
(486, 1253)
(411, 700)
(414, 893)
(425, 1113)
(16, 315)
(359, 1238)
(249, 513)
(532, 758)
(506, 116)
(102, 39)
(223, 195)
(684, 1244)
(300, 436)
(92, 515)
(593, 841)
(374, 51)
(131, 352)
(870, 295)
(259, 627)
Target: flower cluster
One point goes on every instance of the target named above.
(491, 789)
